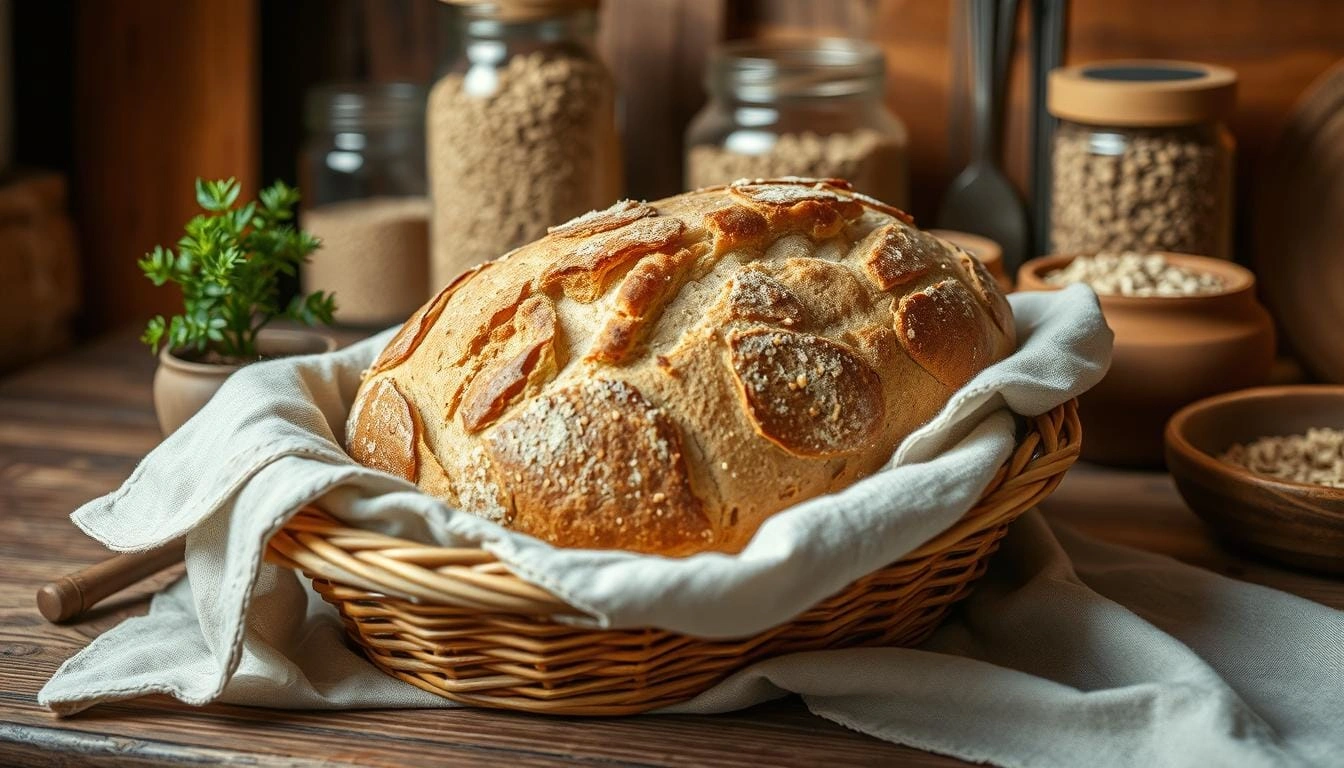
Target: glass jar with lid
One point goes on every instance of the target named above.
(809, 107)
(1142, 160)
(362, 174)
(521, 127)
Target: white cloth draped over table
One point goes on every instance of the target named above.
(1069, 652)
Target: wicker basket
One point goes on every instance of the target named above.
(458, 623)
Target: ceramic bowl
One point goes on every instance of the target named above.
(182, 387)
(1291, 523)
(1169, 351)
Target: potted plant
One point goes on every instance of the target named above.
(228, 265)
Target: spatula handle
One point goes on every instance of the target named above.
(983, 18)
(1047, 52)
(75, 593)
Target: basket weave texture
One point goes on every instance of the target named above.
(456, 622)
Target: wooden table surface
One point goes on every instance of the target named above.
(74, 427)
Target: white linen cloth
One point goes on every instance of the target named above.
(1119, 658)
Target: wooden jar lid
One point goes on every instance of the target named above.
(1142, 92)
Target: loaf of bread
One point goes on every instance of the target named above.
(662, 377)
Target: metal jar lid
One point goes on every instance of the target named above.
(769, 70)
(365, 106)
(1142, 92)
(524, 10)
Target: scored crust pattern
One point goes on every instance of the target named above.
(582, 272)
(384, 432)
(663, 376)
(808, 395)
(648, 287)
(594, 464)
(926, 319)
(618, 215)
(754, 295)
(529, 358)
(899, 254)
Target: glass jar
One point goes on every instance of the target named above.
(1142, 161)
(521, 128)
(799, 108)
(362, 175)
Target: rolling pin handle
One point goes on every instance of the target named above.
(73, 594)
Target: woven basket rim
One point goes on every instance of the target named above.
(429, 575)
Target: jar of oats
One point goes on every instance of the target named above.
(520, 131)
(1142, 159)
(798, 108)
(362, 172)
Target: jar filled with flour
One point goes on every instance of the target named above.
(362, 175)
(521, 127)
(810, 107)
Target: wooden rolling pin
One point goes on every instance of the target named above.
(75, 593)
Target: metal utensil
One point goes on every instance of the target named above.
(980, 199)
(1005, 36)
(1047, 53)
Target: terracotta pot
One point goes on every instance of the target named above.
(1169, 352)
(987, 251)
(181, 386)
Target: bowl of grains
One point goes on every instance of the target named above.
(1264, 468)
(1186, 327)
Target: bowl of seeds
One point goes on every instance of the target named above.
(1264, 468)
(1186, 327)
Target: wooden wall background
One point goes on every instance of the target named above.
(166, 90)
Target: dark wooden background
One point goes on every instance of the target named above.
(136, 98)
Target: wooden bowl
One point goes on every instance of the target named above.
(1169, 352)
(1291, 523)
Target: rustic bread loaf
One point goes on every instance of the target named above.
(662, 377)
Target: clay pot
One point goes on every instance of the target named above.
(987, 251)
(182, 386)
(1169, 352)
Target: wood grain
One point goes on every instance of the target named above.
(38, 266)
(75, 593)
(103, 391)
(656, 50)
(1299, 221)
(402, 38)
(165, 91)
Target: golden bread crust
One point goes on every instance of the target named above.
(595, 465)
(662, 377)
(385, 431)
(806, 394)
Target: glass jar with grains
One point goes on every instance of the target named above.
(521, 127)
(1142, 160)
(798, 108)
(362, 172)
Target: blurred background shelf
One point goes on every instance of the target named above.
(132, 100)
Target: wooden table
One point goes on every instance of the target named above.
(74, 427)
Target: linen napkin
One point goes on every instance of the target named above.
(243, 631)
